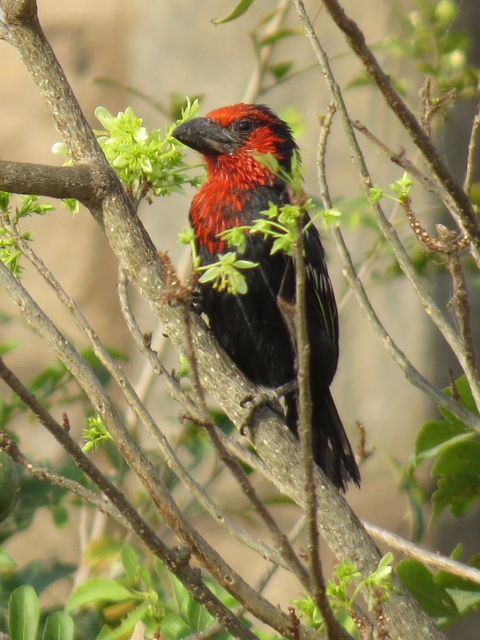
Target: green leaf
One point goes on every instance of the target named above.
(238, 11)
(179, 591)
(97, 590)
(5, 200)
(436, 435)
(104, 116)
(280, 69)
(58, 626)
(7, 563)
(466, 601)
(461, 458)
(127, 625)
(245, 264)
(186, 236)
(173, 626)
(272, 38)
(23, 613)
(331, 218)
(130, 561)
(9, 485)
(71, 204)
(9, 345)
(375, 194)
(462, 389)
(433, 598)
(466, 398)
(458, 492)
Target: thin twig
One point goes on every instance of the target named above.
(56, 479)
(304, 402)
(429, 558)
(472, 145)
(463, 210)
(429, 107)
(154, 351)
(156, 365)
(429, 304)
(401, 160)
(459, 302)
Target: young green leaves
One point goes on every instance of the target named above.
(145, 161)
(226, 274)
(9, 250)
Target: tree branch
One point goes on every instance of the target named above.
(429, 304)
(81, 182)
(472, 146)
(429, 558)
(43, 473)
(317, 587)
(356, 39)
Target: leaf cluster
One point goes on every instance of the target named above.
(432, 41)
(345, 589)
(108, 608)
(453, 451)
(145, 161)
(29, 205)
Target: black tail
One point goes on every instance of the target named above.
(331, 448)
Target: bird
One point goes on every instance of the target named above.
(251, 327)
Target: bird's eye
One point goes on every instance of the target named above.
(245, 125)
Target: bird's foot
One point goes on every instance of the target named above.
(270, 397)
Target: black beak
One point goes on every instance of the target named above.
(206, 136)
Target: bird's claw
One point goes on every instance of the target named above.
(270, 397)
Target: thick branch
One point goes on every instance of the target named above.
(81, 182)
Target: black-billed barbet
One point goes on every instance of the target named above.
(251, 327)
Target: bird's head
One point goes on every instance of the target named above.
(231, 138)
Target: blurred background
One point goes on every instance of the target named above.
(114, 50)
